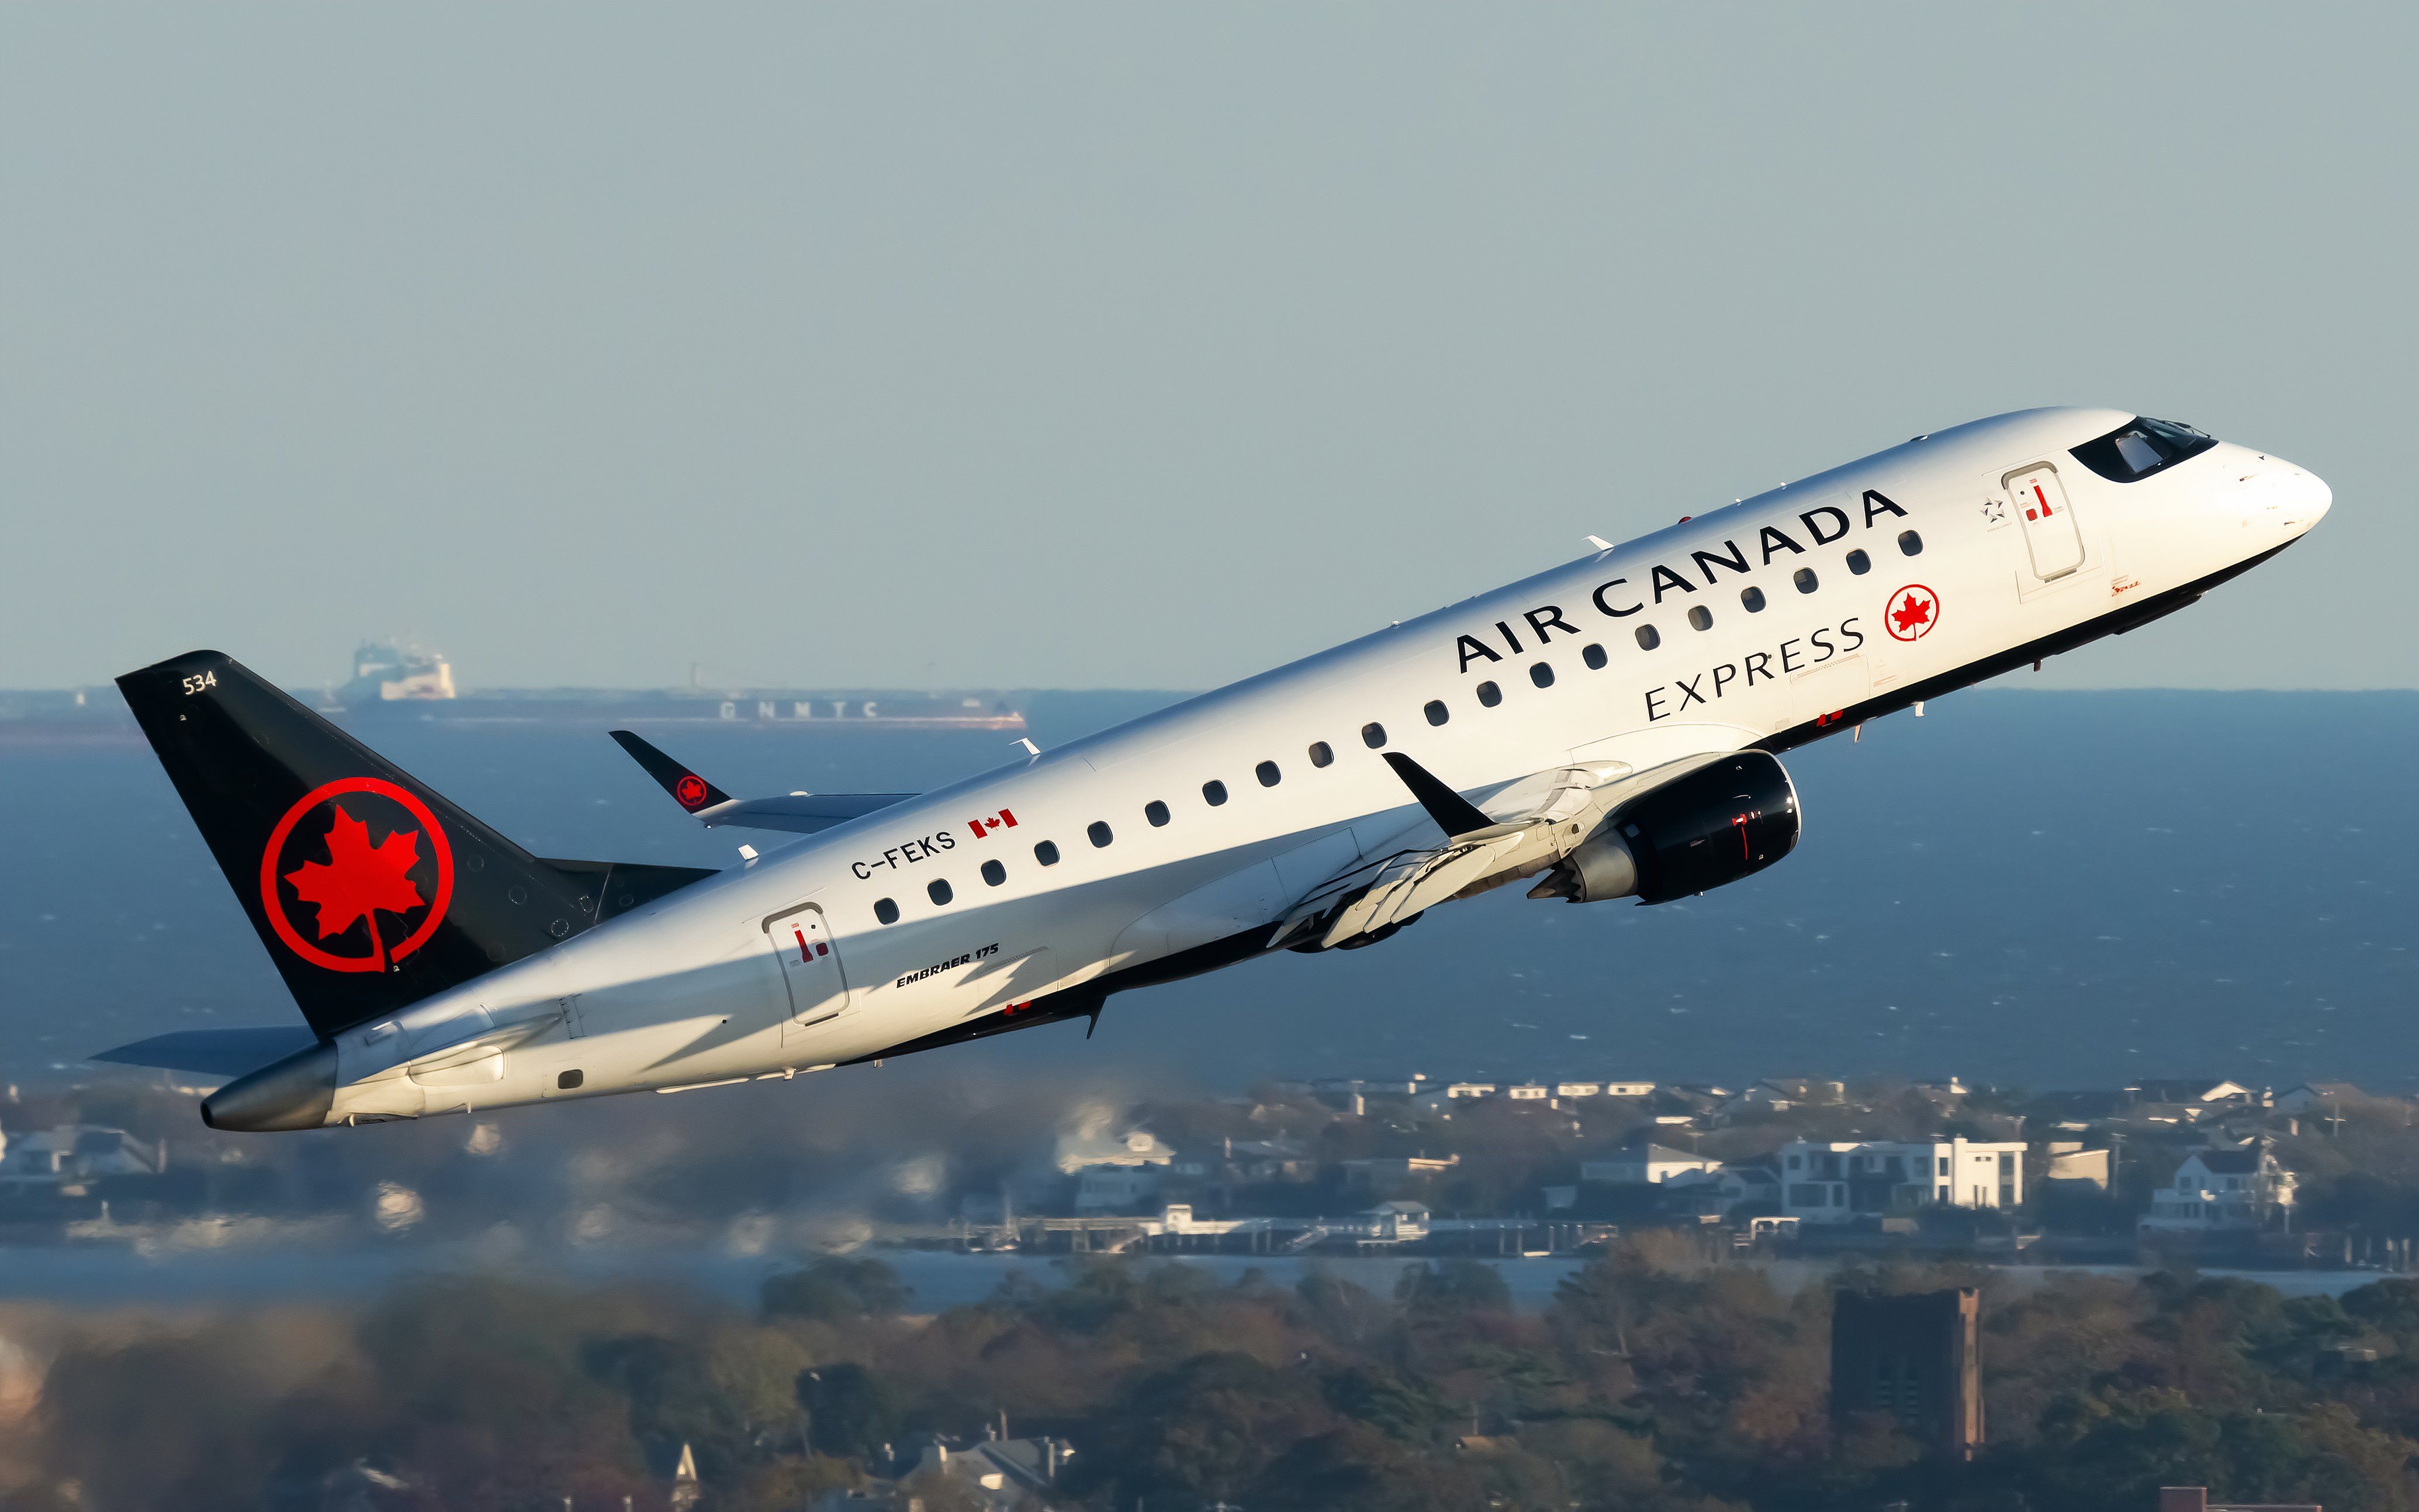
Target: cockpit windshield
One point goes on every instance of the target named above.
(2140, 447)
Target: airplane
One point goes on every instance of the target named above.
(1611, 728)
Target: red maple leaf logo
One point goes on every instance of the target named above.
(360, 879)
(1911, 614)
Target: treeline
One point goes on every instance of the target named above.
(1653, 1383)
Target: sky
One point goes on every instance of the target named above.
(1149, 347)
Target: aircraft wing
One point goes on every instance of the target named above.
(1564, 805)
(803, 813)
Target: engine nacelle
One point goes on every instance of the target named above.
(1728, 819)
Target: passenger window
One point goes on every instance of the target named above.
(1647, 638)
(1156, 812)
(1213, 792)
(1046, 853)
(939, 891)
(1858, 562)
(1753, 599)
(1804, 579)
(1322, 753)
(1910, 543)
(1268, 774)
(1594, 656)
(1699, 616)
(1099, 833)
(1489, 695)
(887, 911)
(1373, 735)
(1541, 674)
(993, 873)
(1437, 712)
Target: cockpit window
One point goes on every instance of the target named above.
(2140, 447)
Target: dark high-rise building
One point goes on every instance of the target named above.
(1918, 1359)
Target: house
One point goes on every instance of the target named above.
(1578, 1088)
(1092, 1145)
(1836, 1182)
(1791, 1091)
(2319, 1096)
(2201, 1090)
(1687, 1101)
(1398, 1221)
(1115, 1188)
(2070, 1164)
(1648, 1162)
(1528, 1092)
(1719, 1193)
(1248, 1161)
(671, 1462)
(997, 1475)
(1628, 1089)
(2238, 1191)
(74, 1153)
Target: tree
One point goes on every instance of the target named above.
(851, 1411)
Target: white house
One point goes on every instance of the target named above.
(1651, 1164)
(1092, 1144)
(1528, 1092)
(1628, 1089)
(2214, 1190)
(1838, 1183)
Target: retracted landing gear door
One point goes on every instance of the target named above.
(810, 963)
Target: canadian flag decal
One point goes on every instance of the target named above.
(1002, 820)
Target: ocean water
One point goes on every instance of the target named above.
(2053, 889)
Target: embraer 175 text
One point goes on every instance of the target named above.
(1608, 728)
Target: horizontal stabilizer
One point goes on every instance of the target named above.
(213, 1051)
(803, 813)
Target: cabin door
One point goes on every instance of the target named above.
(810, 963)
(2051, 534)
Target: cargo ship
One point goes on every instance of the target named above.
(392, 681)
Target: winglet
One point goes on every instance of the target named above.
(1454, 814)
(690, 791)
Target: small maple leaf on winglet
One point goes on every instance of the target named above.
(359, 878)
(1911, 614)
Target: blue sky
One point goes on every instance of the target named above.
(1137, 347)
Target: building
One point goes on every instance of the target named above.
(2319, 1096)
(2198, 1090)
(1115, 1188)
(1838, 1182)
(1782, 1093)
(1093, 1145)
(2217, 1191)
(1628, 1089)
(1398, 1221)
(997, 1475)
(1916, 1358)
(2070, 1162)
(1647, 1163)
(73, 1154)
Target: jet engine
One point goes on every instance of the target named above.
(1728, 819)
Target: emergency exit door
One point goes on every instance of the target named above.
(810, 964)
(2051, 534)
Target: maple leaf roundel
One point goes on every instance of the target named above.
(690, 791)
(380, 867)
(1913, 611)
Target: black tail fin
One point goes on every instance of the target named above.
(369, 890)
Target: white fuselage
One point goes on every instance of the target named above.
(786, 964)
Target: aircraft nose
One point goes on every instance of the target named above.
(2291, 499)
